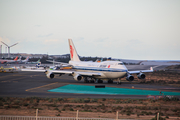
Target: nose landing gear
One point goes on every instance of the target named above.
(119, 81)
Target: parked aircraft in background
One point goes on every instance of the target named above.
(53, 61)
(36, 62)
(19, 60)
(24, 61)
(96, 71)
(8, 61)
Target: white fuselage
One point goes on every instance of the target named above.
(7, 61)
(108, 69)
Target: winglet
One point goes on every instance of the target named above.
(73, 53)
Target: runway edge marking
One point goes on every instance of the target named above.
(41, 86)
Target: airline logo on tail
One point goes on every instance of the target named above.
(16, 58)
(27, 58)
(71, 51)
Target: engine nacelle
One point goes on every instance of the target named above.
(50, 75)
(141, 76)
(130, 78)
(78, 77)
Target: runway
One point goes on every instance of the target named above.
(36, 84)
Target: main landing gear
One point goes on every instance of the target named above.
(92, 80)
(110, 81)
(100, 81)
(88, 81)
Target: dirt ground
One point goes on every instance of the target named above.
(170, 78)
(92, 108)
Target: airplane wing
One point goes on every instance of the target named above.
(139, 71)
(50, 71)
(33, 70)
(61, 71)
(89, 73)
(64, 72)
(57, 62)
(74, 72)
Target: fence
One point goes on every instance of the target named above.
(3, 117)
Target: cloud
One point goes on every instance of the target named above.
(45, 35)
(79, 39)
(50, 41)
(37, 25)
(102, 39)
(134, 41)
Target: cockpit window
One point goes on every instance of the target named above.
(120, 63)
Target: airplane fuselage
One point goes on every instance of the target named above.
(108, 69)
(7, 61)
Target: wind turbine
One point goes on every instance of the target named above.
(9, 47)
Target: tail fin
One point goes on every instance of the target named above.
(73, 53)
(151, 68)
(27, 58)
(16, 58)
(19, 58)
(38, 61)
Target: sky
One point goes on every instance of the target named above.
(123, 29)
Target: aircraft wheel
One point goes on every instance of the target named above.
(110, 81)
(91, 81)
(86, 81)
(99, 81)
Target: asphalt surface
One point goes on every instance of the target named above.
(36, 84)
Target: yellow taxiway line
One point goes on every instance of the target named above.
(41, 86)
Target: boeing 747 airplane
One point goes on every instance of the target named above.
(96, 71)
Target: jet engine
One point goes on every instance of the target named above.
(50, 75)
(130, 78)
(141, 76)
(78, 77)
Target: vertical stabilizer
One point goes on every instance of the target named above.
(38, 61)
(16, 58)
(27, 58)
(73, 52)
